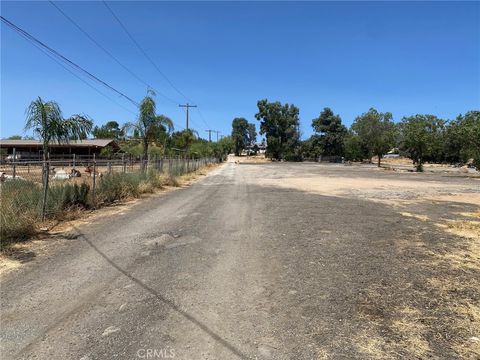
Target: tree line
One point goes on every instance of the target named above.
(150, 135)
(422, 138)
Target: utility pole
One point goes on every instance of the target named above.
(210, 135)
(188, 106)
(218, 132)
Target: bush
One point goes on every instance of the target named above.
(21, 205)
(19, 209)
(114, 187)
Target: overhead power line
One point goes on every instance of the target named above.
(34, 40)
(106, 51)
(144, 52)
(187, 106)
(81, 79)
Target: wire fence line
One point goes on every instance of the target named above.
(36, 183)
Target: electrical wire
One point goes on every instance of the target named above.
(55, 53)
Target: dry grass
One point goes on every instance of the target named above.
(409, 326)
(372, 345)
(415, 216)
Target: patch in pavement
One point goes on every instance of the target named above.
(183, 240)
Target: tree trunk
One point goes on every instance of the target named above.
(379, 159)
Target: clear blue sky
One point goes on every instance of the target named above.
(406, 58)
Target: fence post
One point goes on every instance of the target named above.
(109, 167)
(94, 179)
(46, 169)
(74, 161)
(14, 170)
(124, 164)
(161, 164)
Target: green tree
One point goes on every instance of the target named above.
(47, 122)
(184, 139)
(377, 132)
(240, 134)
(226, 145)
(332, 132)
(15, 137)
(280, 124)
(422, 138)
(354, 148)
(462, 138)
(252, 134)
(312, 147)
(148, 123)
(111, 130)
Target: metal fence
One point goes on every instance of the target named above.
(24, 181)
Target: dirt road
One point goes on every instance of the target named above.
(252, 263)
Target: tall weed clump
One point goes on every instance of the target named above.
(21, 205)
(114, 187)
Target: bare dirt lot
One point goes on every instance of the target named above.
(440, 298)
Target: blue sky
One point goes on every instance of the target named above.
(402, 57)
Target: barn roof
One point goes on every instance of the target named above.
(76, 143)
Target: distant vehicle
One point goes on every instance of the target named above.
(391, 156)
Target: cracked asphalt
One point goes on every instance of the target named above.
(227, 268)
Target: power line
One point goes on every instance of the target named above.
(144, 52)
(201, 117)
(82, 80)
(31, 38)
(187, 105)
(110, 54)
(210, 135)
(140, 48)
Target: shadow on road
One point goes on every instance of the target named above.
(166, 301)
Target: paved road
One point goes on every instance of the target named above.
(223, 269)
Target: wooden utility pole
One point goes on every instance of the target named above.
(188, 106)
(218, 132)
(210, 135)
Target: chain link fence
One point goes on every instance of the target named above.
(37, 189)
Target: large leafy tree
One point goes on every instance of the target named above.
(184, 139)
(240, 135)
(280, 124)
(47, 122)
(354, 149)
(376, 131)
(111, 130)
(252, 134)
(332, 132)
(148, 123)
(462, 138)
(422, 138)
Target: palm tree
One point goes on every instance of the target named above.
(149, 123)
(47, 122)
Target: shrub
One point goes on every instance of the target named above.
(113, 187)
(19, 209)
